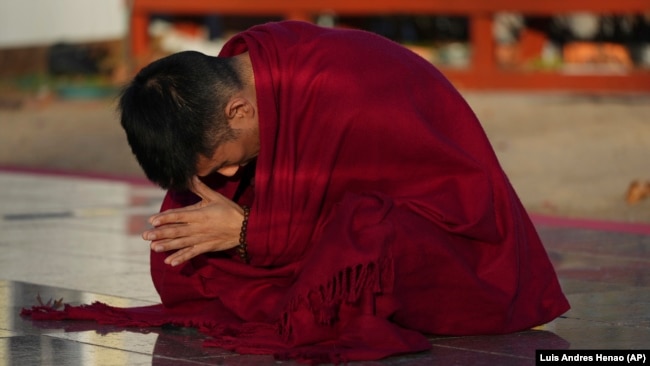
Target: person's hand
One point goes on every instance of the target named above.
(213, 224)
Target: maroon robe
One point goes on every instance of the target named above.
(379, 213)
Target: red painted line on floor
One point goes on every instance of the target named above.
(591, 224)
(73, 174)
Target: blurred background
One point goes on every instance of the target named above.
(561, 87)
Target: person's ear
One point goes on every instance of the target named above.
(237, 107)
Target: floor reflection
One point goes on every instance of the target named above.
(79, 239)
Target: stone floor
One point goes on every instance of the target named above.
(76, 237)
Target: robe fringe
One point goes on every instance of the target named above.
(346, 286)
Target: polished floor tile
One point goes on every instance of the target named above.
(79, 239)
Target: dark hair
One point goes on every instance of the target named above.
(174, 110)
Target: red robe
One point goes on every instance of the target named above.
(379, 213)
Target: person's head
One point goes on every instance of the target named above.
(173, 113)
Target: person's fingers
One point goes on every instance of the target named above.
(158, 245)
(177, 217)
(165, 245)
(162, 216)
(204, 243)
(183, 255)
(170, 231)
(189, 247)
(187, 252)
